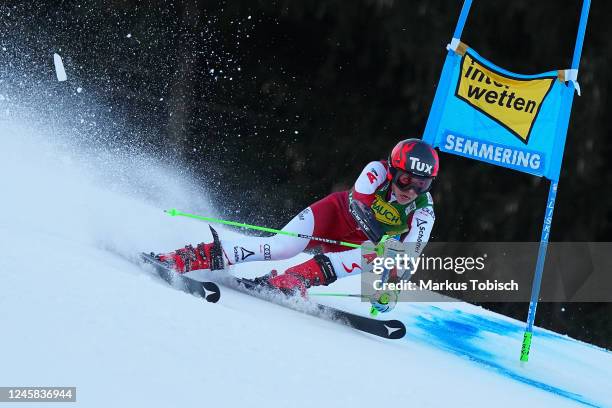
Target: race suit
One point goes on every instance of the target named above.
(330, 218)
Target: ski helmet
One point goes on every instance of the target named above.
(416, 158)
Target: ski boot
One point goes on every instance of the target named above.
(203, 256)
(317, 271)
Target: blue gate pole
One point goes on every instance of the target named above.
(465, 11)
(552, 196)
(584, 15)
(537, 279)
(433, 120)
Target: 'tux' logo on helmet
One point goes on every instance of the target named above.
(418, 166)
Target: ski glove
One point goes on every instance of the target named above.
(384, 301)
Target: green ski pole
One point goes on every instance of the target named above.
(174, 212)
(340, 295)
(379, 248)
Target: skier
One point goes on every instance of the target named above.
(390, 197)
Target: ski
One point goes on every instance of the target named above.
(388, 329)
(209, 291)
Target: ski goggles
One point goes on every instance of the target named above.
(406, 181)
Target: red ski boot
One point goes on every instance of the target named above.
(317, 271)
(203, 256)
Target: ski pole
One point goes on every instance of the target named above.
(340, 295)
(174, 212)
(373, 311)
(379, 248)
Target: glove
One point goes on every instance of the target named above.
(383, 301)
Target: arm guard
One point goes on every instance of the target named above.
(364, 217)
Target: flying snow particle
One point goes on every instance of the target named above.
(129, 35)
(249, 17)
(60, 72)
(79, 89)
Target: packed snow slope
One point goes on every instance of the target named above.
(75, 311)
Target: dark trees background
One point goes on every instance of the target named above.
(274, 104)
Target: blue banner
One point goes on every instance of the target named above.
(486, 113)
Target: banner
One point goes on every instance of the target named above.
(487, 113)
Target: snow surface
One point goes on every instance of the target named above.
(76, 312)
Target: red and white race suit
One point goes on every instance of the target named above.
(330, 218)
